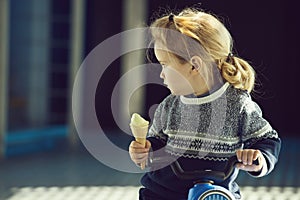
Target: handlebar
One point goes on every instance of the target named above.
(208, 174)
(197, 174)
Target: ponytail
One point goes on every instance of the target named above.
(215, 44)
(238, 72)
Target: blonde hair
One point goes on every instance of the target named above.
(215, 44)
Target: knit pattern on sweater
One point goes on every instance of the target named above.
(211, 127)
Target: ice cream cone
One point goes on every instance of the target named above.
(139, 128)
(140, 134)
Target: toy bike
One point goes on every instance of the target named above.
(204, 188)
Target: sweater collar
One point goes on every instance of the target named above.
(201, 100)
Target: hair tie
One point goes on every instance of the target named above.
(171, 18)
(229, 57)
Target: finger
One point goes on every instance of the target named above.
(148, 144)
(138, 150)
(138, 156)
(143, 165)
(239, 165)
(135, 144)
(256, 155)
(239, 155)
(138, 161)
(250, 168)
(260, 158)
(250, 154)
(244, 157)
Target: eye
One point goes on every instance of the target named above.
(163, 65)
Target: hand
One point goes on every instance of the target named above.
(247, 156)
(138, 153)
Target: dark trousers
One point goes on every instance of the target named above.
(146, 194)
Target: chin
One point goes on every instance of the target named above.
(173, 92)
(177, 93)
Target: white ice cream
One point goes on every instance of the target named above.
(137, 120)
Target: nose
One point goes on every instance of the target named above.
(162, 74)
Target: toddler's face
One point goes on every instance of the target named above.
(176, 75)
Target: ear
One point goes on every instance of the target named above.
(196, 62)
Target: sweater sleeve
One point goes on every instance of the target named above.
(257, 133)
(156, 136)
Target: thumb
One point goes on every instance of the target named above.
(148, 144)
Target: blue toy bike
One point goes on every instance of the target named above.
(204, 188)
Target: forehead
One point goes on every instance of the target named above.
(161, 55)
(161, 52)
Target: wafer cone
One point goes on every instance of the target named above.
(139, 128)
(140, 134)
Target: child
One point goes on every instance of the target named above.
(209, 115)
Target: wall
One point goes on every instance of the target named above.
(265, 33)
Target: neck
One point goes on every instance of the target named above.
(207, 88)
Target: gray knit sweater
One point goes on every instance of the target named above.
(212, 127)
(206, 131)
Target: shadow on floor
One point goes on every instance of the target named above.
(65, 167)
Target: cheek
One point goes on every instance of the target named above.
(176, 81)
(172, 76)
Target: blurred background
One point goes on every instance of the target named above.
(44, 42)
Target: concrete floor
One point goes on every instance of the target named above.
(62, 170)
